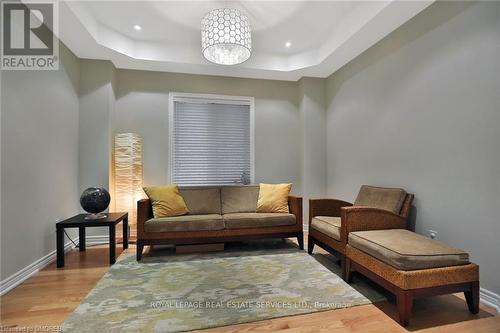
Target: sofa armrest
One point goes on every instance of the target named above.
(326, 207)
(295, 206)
(144, 213)
(358, 218)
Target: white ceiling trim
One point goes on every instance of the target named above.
(87, 38)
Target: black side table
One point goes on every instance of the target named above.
(79, 221)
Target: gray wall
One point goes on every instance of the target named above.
(142, 107)
(95, 122)
(421, 110)
(39, 132)
(96, 115)
(313, 139)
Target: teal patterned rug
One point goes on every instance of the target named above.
(250, 282)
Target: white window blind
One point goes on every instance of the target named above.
(211, 143)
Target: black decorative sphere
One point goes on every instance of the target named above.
(95, 199)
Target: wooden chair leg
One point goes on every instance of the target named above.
(345, 266)
(310, 244)
(300, 239)
(404, 301)
(472, 297)
(140, 248)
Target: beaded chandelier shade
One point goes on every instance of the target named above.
(226, 37)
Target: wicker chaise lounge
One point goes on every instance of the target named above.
(410, 266)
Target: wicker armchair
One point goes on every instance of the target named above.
(375, 208)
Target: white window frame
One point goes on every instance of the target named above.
(209, 98)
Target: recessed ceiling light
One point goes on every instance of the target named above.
(288, 44)
(137, 27)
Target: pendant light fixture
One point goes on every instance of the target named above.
(226, 37)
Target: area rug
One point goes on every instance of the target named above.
(176, 293)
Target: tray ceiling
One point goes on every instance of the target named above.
(324, 35)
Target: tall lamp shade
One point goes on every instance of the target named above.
(128, 174)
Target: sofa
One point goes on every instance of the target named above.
(374, 208)
(218, 214)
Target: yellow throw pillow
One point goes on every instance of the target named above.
(273, 198)
(166, 201)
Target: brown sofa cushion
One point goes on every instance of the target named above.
(406, 250)
(328, 225)
(239, 199)
(256, 220)
(185, 223)
(201, 200)
(390, 199)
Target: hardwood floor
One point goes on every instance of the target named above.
(48, 297)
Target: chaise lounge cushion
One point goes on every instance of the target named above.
(257, 220)
(390, 199)
(406, 250)
(185, 223)
(328, 225)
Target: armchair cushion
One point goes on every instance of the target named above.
(327, 225)
(406, 250)
(390, 199)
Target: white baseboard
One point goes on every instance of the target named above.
(19, 277)
(95, 240)
(490, 299)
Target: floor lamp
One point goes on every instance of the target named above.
(128, 175)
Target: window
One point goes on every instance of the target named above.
(211, 139)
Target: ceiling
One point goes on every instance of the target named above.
(324, 35)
